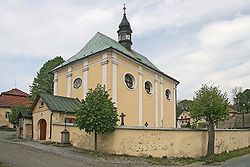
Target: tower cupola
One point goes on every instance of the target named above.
(124, 32)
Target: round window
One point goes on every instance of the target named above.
(148, 87)
(168, 94)
(129, 81)
(77, 83)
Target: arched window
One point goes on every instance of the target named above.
(148, 87)
(168, 94)
(129, 81)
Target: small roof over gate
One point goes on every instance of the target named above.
(58, 103)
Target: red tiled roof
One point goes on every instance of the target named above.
(14, 97)
(15, 92)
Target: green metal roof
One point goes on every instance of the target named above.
(25, 114)
(59, 103)
(101, 42)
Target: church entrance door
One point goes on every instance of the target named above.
(43, 126)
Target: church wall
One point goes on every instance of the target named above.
(94, 76)
(62, 82)
(95, 71)
(148, 101)
(127, 100)
(109, 71)
(168, 115)
(77, 73)
(153, 108)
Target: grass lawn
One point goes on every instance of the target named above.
(185, 160)
(225, 156)
(1, 164)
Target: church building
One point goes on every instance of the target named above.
(140, 91)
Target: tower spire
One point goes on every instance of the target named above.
(124, 32)
(124, 8)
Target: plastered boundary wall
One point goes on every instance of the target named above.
(156, 142)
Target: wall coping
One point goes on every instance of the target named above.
(173, 129)
(156, 129)
(62, 124)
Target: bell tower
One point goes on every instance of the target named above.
(124, 32)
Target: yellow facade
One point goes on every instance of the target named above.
(109, 68)
(41, 113)
(4, 122)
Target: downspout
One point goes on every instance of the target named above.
(175, 104)
(50, 132)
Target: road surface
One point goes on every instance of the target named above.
(20, 155)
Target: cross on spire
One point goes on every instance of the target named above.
(124, 8)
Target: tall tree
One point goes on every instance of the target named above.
(245, 98)
(236, 91)
(97, 113)
(212, 105)
(15, 111)
(43, 82)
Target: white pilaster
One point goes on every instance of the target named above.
(55, 81)
(156, 100)
(114, 78)
(104, 69)
(175, 99)
(69, 80)
(140, 95)
(161, 83)
(85, 77)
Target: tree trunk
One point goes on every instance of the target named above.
(95, 141)
(211, 139)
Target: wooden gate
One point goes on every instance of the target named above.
(43, 126)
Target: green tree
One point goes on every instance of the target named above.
(97, 113)
(237, 91)
(43, 82)
(245, 100)
(242, 102)
(212, 105)
(14, 114)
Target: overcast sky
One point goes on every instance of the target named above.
(194, 41)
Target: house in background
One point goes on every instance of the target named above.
(10, 99)
(184, 119)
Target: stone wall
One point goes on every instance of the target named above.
(156, 142)
(78, 138)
